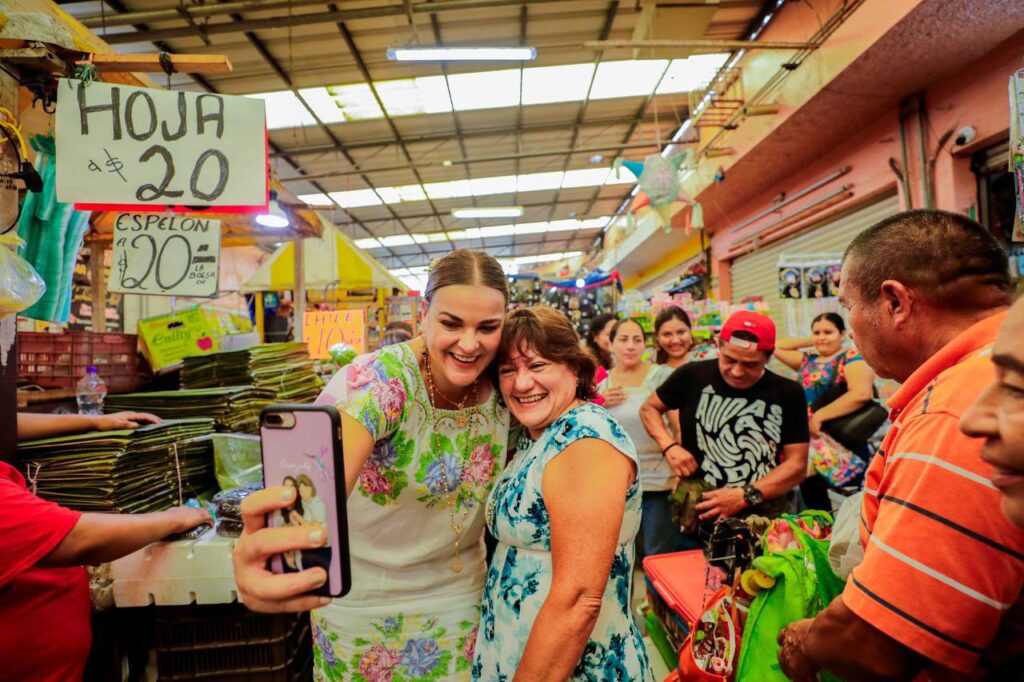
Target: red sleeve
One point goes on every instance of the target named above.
(30, 527)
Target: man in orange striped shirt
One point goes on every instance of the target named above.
(938, 592)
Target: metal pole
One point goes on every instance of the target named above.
(926, 185)
(8, 333)
(98, 286)
(299, 290)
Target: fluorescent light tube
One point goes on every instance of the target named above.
(461, 54)
(488, 212)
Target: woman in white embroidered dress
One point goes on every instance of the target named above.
(424, 437)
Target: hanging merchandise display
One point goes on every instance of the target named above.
(53, 233)
(658, 178)
(524, 290)
(584, 303)
(1017, 148)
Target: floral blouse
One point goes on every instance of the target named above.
(408, 615)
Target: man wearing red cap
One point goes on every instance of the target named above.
(744, 428)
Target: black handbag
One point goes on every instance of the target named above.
(855, 429)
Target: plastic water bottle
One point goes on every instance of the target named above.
(91, 392)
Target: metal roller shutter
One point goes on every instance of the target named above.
(757, 274)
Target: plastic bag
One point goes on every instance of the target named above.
(845, 551)
(20, 285)
(237, 462)
(835, 463)
(342, 354)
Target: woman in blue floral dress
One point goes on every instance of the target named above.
(565, 513)
(425, 436)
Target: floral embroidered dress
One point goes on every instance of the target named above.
(519, 578)
(408, 617)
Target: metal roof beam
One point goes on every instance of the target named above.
(447, 137)
(243, 25)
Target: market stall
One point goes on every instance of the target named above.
(336, 275)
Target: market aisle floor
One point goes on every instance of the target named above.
(661, 671)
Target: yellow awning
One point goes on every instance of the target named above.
(332, 260)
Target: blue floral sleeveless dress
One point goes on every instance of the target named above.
(519, 578)
(409, 618)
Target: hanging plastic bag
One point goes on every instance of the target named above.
(845, 551)
(837, 465)
(20, 285)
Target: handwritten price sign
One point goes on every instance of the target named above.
(165, 255)
(323, 329)
(139, 147)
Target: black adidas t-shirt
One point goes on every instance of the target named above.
(735, 435)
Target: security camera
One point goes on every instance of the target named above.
(965, 135)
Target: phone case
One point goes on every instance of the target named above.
(305, 451)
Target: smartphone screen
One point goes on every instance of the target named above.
(302, 448)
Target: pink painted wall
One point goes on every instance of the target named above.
(976, 96)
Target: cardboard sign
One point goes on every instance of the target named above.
(168, 339)
(128, 147)
(323, 329)
(165, 255)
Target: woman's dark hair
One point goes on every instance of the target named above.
(835, 318)
(673, 312)
(596, 325)
(549, 334)
(296, 506)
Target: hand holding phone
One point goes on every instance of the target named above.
(302, 450)
(260, 589)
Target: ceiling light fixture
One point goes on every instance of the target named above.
(461, 54)
(488, 212)
(275, 217)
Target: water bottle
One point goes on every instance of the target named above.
(91, 393)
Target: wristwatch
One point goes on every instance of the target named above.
(752, 495)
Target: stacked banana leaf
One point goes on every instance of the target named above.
(234, 408)
(284, 368)
(140, 470)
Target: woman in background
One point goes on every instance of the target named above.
(638, 379)
(673, 337)
(598, 340)
(832, 363)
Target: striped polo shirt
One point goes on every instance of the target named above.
(943, 568)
